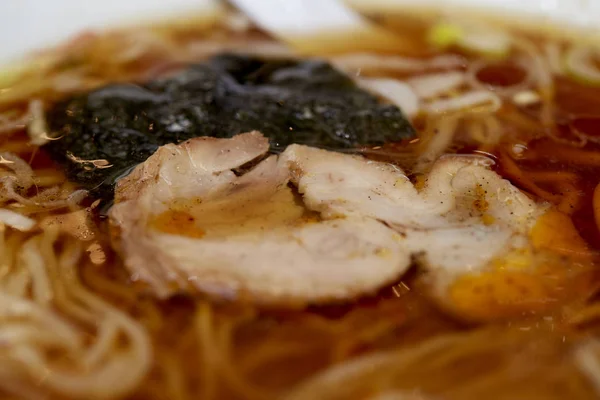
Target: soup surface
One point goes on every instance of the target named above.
(200, 211)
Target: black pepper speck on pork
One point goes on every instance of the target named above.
(289, 101)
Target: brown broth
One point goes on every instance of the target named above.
(402, 315)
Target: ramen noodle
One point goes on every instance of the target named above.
(201, 211)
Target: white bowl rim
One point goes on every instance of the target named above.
(27, 25)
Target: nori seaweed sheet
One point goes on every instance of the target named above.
(289, 101)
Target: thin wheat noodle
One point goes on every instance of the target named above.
(204, 326)
(17, 333)
(91, 385)
(9, 184)
(571, 197)
(62, 298)
(552, 51)
(37, 128)
(586, 315)
(17, 283)
(541, 73)
(16, 220)
(217, 362)
(476, 66)
(444, 130)
(579, 141)
(344, 348)
(586, 358)
(436, 84)
(485, 130)
(175, 378)
(476, 130)
(67, 267)
(397, 92)
(339, 375)
(514, 172)
(519, 120)
(230, 373)
(545, 85)
(23, 172)
(107, 334)
(369, 61)
(447, 354)
(137, 44)
(32, 259)
(478, 386)
(493, 130)
(12, 384)
(346, 374)
(209, 48)
(124, 367)
(97, 281)
(15, 307)
(474, 101)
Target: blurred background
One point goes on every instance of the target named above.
(31, 24)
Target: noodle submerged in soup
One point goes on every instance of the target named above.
(415, 223)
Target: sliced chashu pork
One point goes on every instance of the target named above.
(463, 216)
(490, 250)
(184, 220)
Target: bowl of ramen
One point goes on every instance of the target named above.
(325, 201)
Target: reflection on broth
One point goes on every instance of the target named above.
(434, 236)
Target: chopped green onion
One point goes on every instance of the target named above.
(487, 42)
(445, 34)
